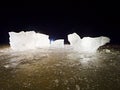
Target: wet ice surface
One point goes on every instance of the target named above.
(60, 69)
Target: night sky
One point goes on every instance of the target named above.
(58, 19)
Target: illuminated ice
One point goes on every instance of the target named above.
(87, 44)
(31, 40)
(58, 43)
(28, 40)
(74, 40)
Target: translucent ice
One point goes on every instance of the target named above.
(87, 44)
(74, 40)
(58, 43)
(28, 40)
(31, 40)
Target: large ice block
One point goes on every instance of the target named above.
(87, 44)
(28, 40)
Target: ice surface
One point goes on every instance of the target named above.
(60, 69)
(58, 43)
(87, 44)
(28, 40)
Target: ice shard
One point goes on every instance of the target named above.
(87, 44)
(28, 40)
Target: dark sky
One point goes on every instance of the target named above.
(61, 18)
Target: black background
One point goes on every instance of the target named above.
(58, 19)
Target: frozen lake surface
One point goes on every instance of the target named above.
(60, 69)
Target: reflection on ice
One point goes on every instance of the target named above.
(59, 69)
(16, 58)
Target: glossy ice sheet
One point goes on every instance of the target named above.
(59, 69)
